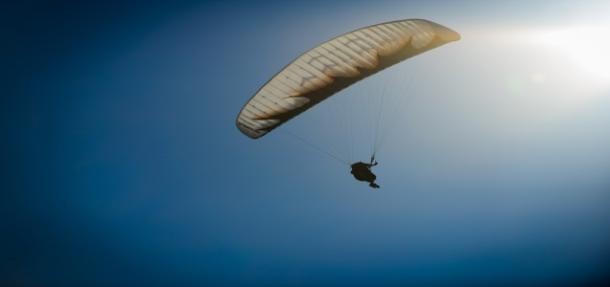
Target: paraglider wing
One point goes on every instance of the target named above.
(334, 65)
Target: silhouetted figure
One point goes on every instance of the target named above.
(362, 172)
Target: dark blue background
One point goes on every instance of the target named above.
(123, 165)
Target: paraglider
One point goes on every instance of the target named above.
(362, 172)
(334, 65)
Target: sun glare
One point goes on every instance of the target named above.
(587, 47)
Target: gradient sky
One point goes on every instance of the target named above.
(125, 166)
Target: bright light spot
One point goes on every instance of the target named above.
(538, 78)
(588, 47)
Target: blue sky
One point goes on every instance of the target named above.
(126, 167)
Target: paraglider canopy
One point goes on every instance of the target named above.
(334, 65)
